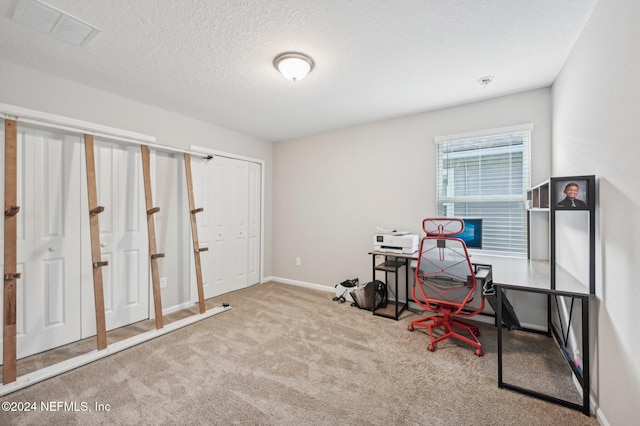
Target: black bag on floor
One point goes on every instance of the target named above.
(370, 295)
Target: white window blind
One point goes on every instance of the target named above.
(487, 176)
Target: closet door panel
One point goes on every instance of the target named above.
(238, 207)
(229, 190)
(48, 240)
(223, 253)
(203, 177)
(254, 223)
(123, 238)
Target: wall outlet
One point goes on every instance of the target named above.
(163, 282)
(298, 261)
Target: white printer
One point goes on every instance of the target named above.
(396, 242)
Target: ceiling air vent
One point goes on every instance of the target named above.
(55, 22)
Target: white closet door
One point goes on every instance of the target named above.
(123, 238)
(230, 191)
(254, 223)
(229, 223)
(236, 224)
(48, 246)
(202, 175)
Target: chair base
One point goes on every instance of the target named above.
(448, 323)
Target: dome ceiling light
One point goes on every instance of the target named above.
(293, 65)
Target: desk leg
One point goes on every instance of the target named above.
(586, 385)
(549, 331)
(406, 282)
(583, 378)
(373, 278)
(499, 325)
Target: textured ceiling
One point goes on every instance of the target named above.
(375, 59)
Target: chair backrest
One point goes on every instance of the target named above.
(444, 274)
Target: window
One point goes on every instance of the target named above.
(486, 175)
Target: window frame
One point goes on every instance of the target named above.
(519, 237)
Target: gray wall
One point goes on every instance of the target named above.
(28, 88)
(596, 123)
(332, 190)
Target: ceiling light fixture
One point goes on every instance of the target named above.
(293, 65)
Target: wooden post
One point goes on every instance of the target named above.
(194, 233)
(151, 228)
(9, 348)
(97, 263)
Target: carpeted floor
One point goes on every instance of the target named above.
(285, 355)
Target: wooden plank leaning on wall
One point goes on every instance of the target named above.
(194, 232)
(151, 229)
(96, 259)
(9, 348)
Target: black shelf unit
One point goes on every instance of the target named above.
(587, 194)
(391, 308)
(545, 198)
(548, 198)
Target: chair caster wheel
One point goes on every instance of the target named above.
(411, 327)
(335, 299)
(431, 347)
(342, 299)
(479, 352)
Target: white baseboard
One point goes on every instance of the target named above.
(177, 308)
(601, 418)
(592, 402)
(330, 289)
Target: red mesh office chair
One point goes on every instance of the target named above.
(445, 283)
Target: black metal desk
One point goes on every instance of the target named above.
(582, 376)
(533, 276)
(507, 273)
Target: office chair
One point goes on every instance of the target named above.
(445, 283)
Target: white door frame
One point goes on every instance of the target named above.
(208, 151)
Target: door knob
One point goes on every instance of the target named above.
(53, 248)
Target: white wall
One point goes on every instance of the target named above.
(596, 123)
(33, 89)
(173, 231)
(332, 190)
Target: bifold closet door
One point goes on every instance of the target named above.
(233, 231)
(230, 189)
(254, 222)
(202, 174)
(123, 238)
(48, 240)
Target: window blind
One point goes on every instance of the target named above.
(487, 176)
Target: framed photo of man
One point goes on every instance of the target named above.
(571, 194)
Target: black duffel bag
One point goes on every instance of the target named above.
(370, 296)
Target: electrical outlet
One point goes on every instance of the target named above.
(298, 261)
(163, 282)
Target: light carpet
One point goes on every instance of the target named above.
(285, 355)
